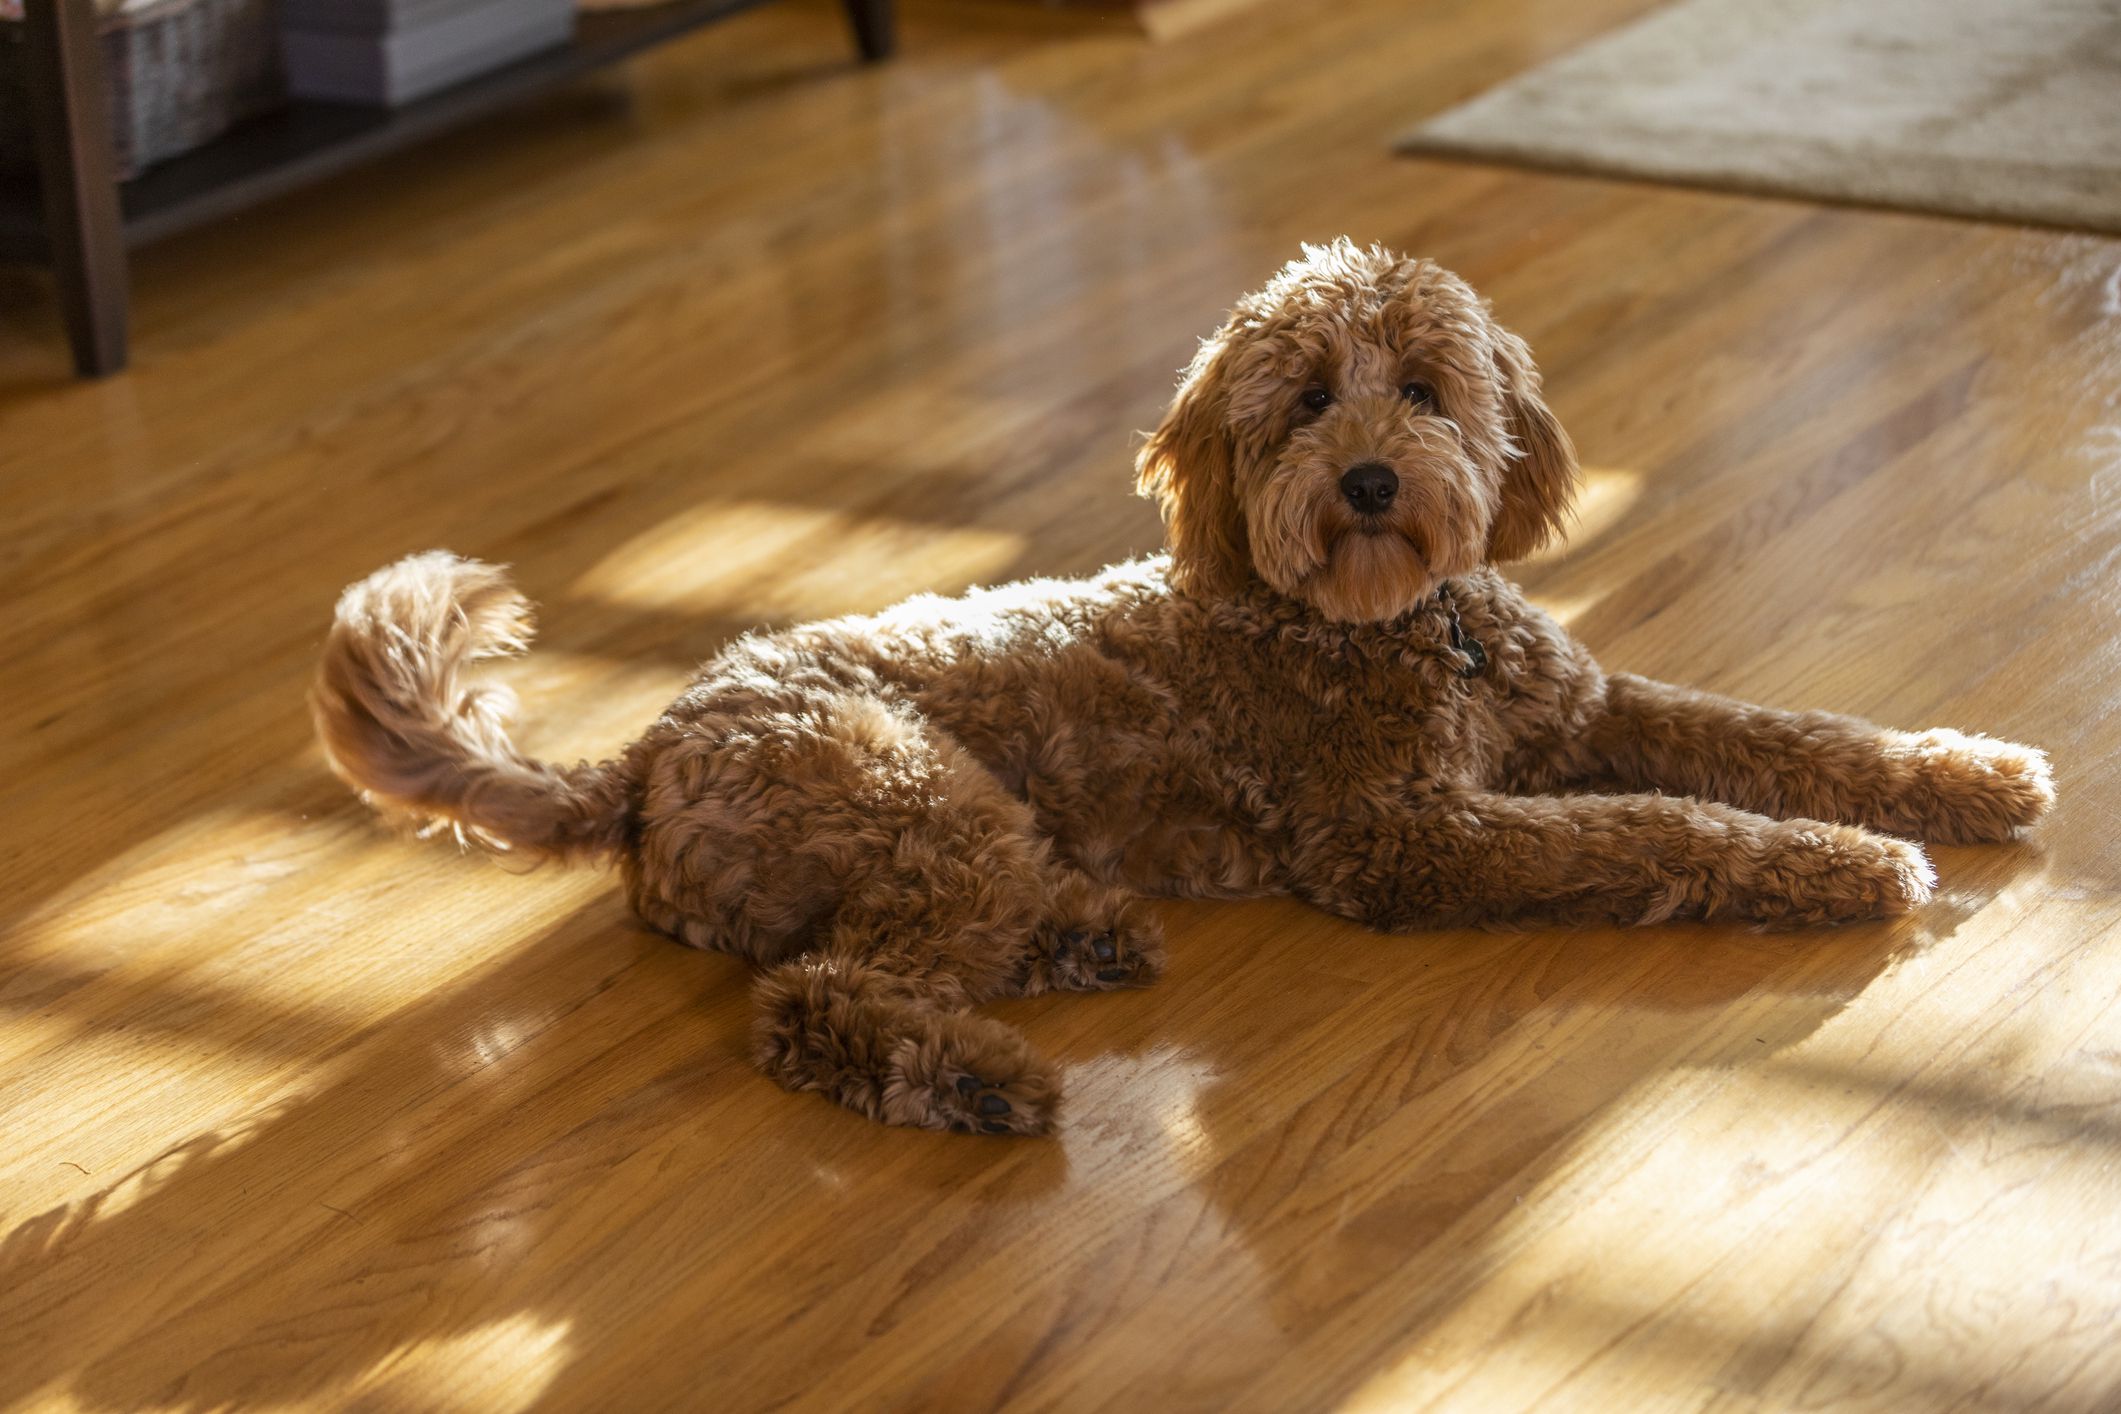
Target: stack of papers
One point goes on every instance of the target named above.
(394, 51)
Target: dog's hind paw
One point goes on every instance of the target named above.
(1112, 942)
(1083, 959)
(974, 1076)
(983, 1105)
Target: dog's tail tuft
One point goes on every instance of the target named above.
(400, 725)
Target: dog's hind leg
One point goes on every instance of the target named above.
(889, 882)
(899, 1048)
(878, 1019)
(937, 913)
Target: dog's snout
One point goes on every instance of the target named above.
(1369, 486)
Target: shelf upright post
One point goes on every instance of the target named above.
(874, 33)
(84, 228)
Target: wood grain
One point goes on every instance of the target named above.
(300, 1114)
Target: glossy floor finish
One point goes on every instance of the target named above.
(300, 1114)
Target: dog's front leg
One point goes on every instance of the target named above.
(1942, 786)
(1462, 858)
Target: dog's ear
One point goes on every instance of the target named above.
(1539, 476)
(1187, 466)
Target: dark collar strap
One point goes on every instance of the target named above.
(1474, 658)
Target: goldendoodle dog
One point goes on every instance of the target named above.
(1324, 688)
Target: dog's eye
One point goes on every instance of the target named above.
(1317, 399)
(1418, 393)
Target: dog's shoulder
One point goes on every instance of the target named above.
(1544, 679)
(1487, 594)
(1490, 605)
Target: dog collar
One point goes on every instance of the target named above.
(1473, 657)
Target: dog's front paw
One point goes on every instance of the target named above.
(1819, 873)
(974, 1076)
(1974, 789)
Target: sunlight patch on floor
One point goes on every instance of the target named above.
(107, 1193)
(193, 874)
(756, 560)
(202, 973)
(1180, 1080)
(1609, 493)
(1565, 609)
(184, 897)
(1580, 1286)
(504, 1366)
(586, 706)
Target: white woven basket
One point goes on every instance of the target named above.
(181, 72)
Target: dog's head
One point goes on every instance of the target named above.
(1355, 433)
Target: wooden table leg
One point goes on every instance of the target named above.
(83, 226)
(874, 33)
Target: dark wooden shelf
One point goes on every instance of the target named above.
(298, 144)
(21, 223)
(307, 141)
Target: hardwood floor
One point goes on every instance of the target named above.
(299, 1114)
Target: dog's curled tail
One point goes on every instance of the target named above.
(401, 726)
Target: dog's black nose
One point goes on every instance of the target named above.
(1369, 486)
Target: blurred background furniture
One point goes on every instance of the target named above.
(394, 51)
(79, 211)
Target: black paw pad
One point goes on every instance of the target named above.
(1104, 948)
(993, 1105)
(967, 1086)
(993, 1127)
(1112, 974)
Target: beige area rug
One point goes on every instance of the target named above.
(1993, 108)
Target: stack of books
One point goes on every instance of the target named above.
(394, 51)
